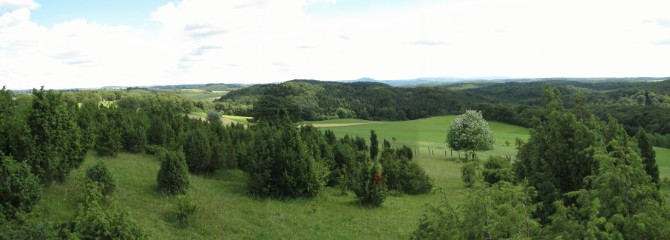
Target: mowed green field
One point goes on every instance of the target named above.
(225, 211)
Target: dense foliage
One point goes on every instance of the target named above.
(502, 211)
(56, 141)
(497, 169)
(281, 165)
(19, 188)
(198, 152)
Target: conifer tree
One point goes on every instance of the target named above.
(198, 152)
(648, 155)
(57, 145)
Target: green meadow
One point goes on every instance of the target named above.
(225, 211)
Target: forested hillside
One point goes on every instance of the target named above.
(633, 103)
(317, 100)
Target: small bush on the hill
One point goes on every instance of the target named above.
(100, 174)
(405, 152)
(184, 210)
(417, 180)
(496, 169)
(403, 175)
(97, 220)
(19, 188)
(369, 185)
(173, 175)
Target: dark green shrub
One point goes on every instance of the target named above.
(405, 152)
(108, 140)
(369, 185)
(403, 175)
(496, 169)
(173, 175)
(99, 173)
(417, 181)
(19, 188)
(198, 152)
(281, 165)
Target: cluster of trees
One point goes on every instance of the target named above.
(47, 134)
(577, 177)
(286, 161)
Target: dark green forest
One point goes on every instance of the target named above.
(633, 103)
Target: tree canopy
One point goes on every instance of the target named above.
(470, 132)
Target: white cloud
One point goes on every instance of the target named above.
(17, 4)
(267, 41)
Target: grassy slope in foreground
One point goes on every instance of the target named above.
(226, 212)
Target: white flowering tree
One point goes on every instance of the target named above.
(470, 132)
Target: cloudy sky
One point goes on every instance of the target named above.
(93, 43)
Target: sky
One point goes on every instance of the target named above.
(95, 43)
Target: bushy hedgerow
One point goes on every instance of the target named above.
(496, 169)
(19, 188)
(100, 174)
(173, 175)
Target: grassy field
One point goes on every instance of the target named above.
(225, 211)
(240, 119)
(201, 94)
(426, 134)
